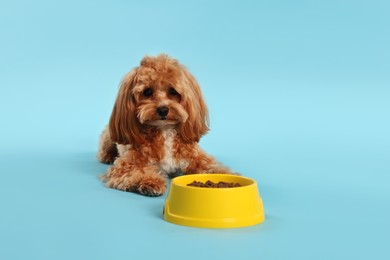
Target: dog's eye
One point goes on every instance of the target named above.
(148, 92)
(172, 92)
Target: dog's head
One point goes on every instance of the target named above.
(158, 93)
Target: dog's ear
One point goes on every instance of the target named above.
(198, 119)
(124, 126)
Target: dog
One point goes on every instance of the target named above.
(157, 121)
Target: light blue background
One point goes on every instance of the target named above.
(298, 93)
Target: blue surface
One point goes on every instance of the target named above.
(298, 93)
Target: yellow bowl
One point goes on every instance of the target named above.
(213, 207)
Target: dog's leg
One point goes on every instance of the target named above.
(108, 151)
(204, 163)
(127, 176)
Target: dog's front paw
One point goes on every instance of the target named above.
(152, 185)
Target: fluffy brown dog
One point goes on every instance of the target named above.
(157, 121)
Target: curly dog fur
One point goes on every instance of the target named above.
(156, 123)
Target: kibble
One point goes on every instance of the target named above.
(210, 184)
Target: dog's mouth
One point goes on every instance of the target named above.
(161, 122)
(170, 115)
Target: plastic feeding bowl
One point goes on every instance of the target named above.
(213, 207)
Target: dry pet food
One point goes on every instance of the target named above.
(210, 184)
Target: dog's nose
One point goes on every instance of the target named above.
(162, 111)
